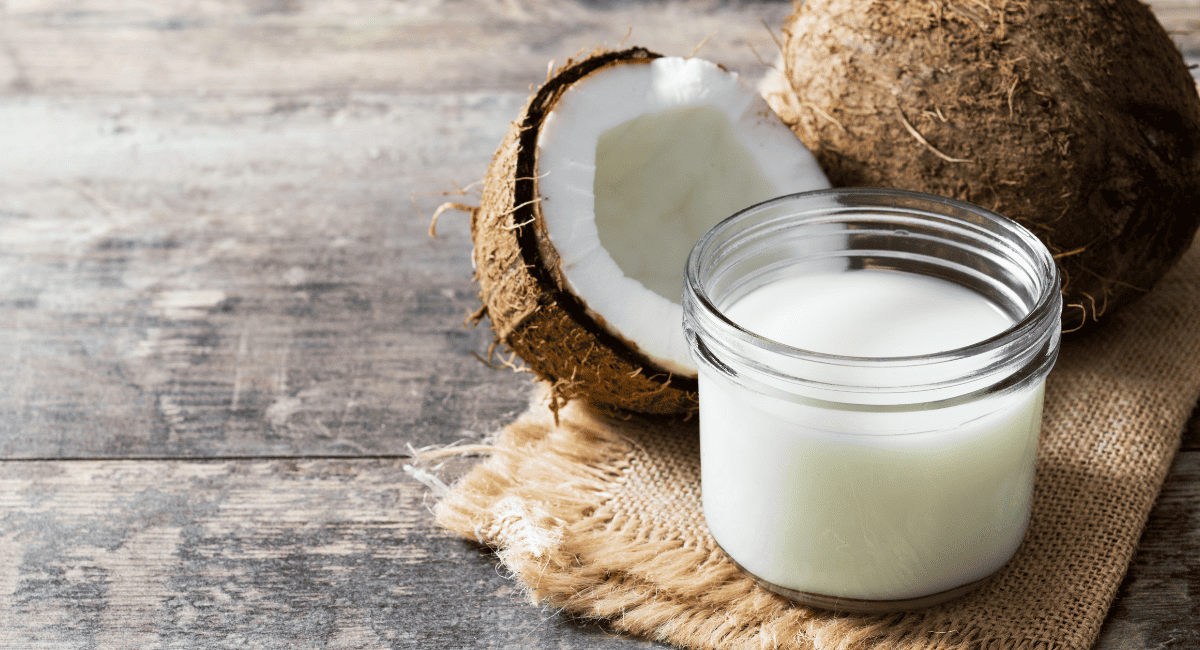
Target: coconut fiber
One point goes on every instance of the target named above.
(602, 518)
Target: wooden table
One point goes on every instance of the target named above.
(223, 322)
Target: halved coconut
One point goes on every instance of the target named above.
(615, 168)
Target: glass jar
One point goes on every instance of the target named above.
(880, 482)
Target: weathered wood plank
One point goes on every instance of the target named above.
(285, 46)
(1156, 606)
(241, 276)
(263, 554)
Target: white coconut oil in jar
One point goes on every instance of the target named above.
(871, 367)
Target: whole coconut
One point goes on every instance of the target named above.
(1076, 118)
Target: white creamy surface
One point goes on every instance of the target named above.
(834, 501)
(869, 313)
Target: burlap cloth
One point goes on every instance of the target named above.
(602, 518)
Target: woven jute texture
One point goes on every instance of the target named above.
(603, 519)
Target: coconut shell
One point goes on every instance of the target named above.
(1076, 118)
(524, 294)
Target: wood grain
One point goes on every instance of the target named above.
(241, 277)
(292, 46)
(1156, 606)
(223, 322)
(253, 553)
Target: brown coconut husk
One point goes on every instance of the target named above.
(522, 289)
(1076, 118)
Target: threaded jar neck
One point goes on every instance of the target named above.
(861, 228)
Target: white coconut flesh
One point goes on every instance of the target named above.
(635, 163)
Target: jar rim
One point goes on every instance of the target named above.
(1040, 316)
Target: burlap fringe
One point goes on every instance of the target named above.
(535, 503)
(538, 480)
